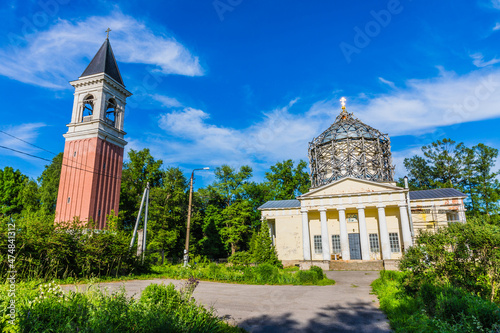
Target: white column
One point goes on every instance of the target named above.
(405, 227)
(344, 240)
(384, 234)
(325, 242)
(306, 247)
(363, 234)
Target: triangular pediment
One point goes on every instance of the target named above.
(349, 185)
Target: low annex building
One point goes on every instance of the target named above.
(354, 210)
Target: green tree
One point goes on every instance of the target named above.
(207, 230)
(447, 164)
(49, 184)
(287, 182)
(235, 222)
(480, 181)
(11, 188)
(443, 156)
(236, 212)
(137, 172)
(262, 249)
(419, 174)
(168, 213)
(230, 184)
(30, 196)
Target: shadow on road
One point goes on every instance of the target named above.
(354, 317)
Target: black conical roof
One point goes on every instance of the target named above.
(104, 62)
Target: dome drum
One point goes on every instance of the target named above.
(350, 148)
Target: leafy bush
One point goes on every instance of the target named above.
(304, 277)
(434, 308)
(240, 258)
(463, 255)
(319, 272)
(261, 274)
(160, 309)
(49, 251)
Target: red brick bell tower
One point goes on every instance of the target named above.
(89, 186)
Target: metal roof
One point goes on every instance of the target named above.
(104, 62)
(294, 203)
(436, 193)
(414, 195)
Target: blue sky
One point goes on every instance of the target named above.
(252, 82)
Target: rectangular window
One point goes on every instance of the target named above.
(336, 244)
(374, 247)
(452, 216)
(318, 248)
(394, 241)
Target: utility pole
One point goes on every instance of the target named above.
(145, 197)
(186, 249)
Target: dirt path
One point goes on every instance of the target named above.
(344, 307)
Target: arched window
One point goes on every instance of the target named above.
(111, 112)
(88, 108)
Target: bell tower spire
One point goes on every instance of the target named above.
(90, 180)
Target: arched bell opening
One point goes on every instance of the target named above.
(111, 109)
(88, 108)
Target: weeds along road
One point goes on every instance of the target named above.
(346, 306)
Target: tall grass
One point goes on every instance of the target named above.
(261, 274)
(161, 308)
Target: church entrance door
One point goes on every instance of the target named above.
(354, 247)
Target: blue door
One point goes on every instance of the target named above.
(354, 247)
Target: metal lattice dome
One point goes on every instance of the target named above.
(350, 148)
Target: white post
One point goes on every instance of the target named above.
(384, 233)
(325, 242)
(405, 227)
(306, 247)
(344, 240)
(461, 212)
(363, 234)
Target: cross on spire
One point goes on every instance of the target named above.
(107, 32)
(342, 102)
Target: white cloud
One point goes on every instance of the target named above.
(189, 136)
(389, 83)
(28, 132)
(426, 104)
(478, 60)
(496, 27)
(53, 57)
(278, 135)
(166, 101)
(495, 4)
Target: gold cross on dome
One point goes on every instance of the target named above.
(342, 102)
(107, 32)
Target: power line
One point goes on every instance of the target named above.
(69, 166)
(15, 137)
(24, 153)
(62, 163)
(31, 144)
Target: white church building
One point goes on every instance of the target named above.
(354, 211)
